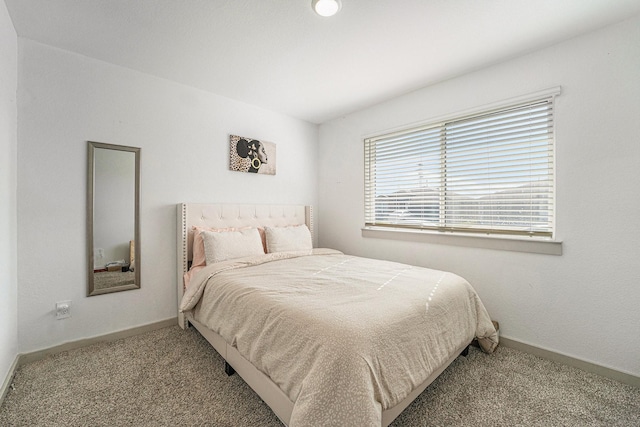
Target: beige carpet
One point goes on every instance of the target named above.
(172, 377)
(109, 279)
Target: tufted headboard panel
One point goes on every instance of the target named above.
(230, 215)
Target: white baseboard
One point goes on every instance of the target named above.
(622, 377)
(21, 359)
(9, 379)
(41, 354)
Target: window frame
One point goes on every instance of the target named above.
(474, 232)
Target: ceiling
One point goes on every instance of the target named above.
(280, 55)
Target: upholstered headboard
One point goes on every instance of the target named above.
(230, 215)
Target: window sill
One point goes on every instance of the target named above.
(502, 243)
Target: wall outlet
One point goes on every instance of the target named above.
(63, 309)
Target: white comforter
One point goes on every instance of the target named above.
(344, 337)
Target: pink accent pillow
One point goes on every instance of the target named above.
(189, 274)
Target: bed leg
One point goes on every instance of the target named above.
(228, 369)
(465, 352)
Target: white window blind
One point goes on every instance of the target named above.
(490, 172)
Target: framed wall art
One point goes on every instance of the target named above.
(252, 155)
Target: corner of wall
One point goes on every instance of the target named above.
(8, 196)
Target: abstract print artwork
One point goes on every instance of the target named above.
(252, 155)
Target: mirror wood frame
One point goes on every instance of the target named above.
(91, 289)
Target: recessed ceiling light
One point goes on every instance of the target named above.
(326, 7)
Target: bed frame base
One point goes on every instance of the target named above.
(222, 216)
(228, 369)
(271, 394)
(268, 391)
(465, 352)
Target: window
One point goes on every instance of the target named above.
(490, 172)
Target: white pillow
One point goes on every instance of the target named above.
(225, 245)
(284, 239)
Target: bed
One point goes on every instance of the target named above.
(324, 338)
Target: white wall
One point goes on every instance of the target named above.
(65, 100)
(584, 303)
(8, 171)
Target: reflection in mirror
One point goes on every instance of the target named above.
(113, 232)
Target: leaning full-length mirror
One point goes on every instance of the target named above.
(113, 222)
